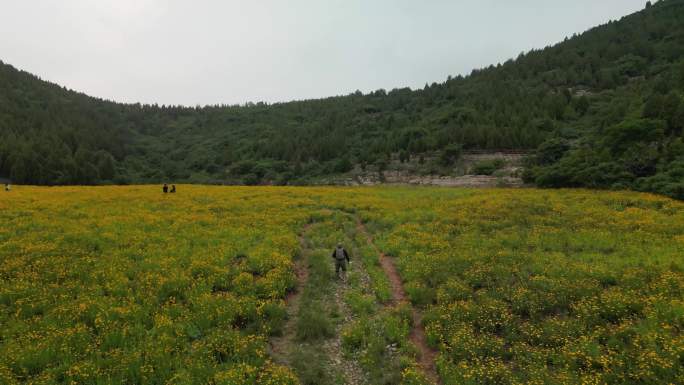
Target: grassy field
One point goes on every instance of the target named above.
(543, 286)
(110, 285)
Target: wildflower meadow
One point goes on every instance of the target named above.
(126, 285)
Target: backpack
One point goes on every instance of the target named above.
(339, 253)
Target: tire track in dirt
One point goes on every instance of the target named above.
(426, 361)
(350, 368)
(279, 346)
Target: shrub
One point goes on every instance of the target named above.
(314, 324)
(487, 167)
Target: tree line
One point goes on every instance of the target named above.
(602, 109)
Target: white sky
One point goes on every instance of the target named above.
(233, 51)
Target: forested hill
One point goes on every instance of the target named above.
(604, 109)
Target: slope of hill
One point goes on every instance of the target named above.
(603, 109)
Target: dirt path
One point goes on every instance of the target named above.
(282, 348)
(350, 368)
(279, 346)
(427, 355)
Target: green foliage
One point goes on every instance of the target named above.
(404, 156)
(487, 167)
(621, 137)
(634, 154)
(343, 165)
(381, 340)
(551, 151)
(310, 368)
(450, 154)
(314, 323)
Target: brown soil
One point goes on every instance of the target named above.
(426, 360)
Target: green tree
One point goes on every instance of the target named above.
(451, 154)
(551, 151)
(678, 120)
(581, 105)
(654, 107)
(106, 166)
(343, 165)
(20, 171)
(670, 108)
(629, 132)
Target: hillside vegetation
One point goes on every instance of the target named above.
(603, 109)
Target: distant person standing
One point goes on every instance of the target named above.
(165, 188)
(7, 187)
(341, 258)
(173, 189)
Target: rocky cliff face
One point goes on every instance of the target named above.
(465, 173)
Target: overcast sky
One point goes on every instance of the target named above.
(234, 51)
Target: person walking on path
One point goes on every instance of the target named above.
(341, 258)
